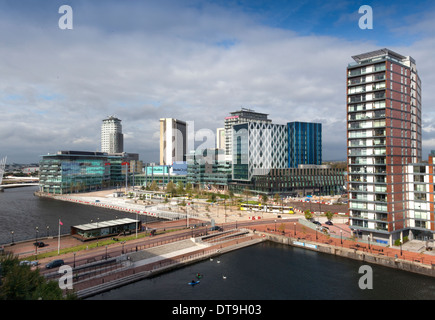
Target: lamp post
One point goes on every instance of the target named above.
(341, 237)
(36, 240)
(98, 233)
(48, 233)
(275, 225)
(295, 228)
(74, 265)
(400, 247)
(12, 238)
(106, 252)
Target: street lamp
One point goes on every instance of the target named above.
(295, 229)
(400, 247)
(48, 234)
(36, 240)
(275, 225)
(74, 265)
(12, 237)
(341, 237)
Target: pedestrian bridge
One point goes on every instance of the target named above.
(18, 185)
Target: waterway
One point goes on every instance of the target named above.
(266, 271)
(271, 271)
(22, 212)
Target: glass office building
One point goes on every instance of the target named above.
(72, 171)
(82, 171)
(304, 143)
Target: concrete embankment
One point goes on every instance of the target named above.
(366, 257)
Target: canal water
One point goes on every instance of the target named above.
(266, 271)
(21, 212)
(271, 271)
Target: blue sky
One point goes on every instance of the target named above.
(193, 60)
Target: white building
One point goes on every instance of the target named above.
(112, 139)
(173, 141)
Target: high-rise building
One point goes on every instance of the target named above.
(112, 139)
(241, 116)
(304, 143)
(383, 135)
(173, 141)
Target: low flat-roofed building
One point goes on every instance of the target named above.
(101, 229)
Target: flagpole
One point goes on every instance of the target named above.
(58, 240)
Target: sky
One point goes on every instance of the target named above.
(192, 60)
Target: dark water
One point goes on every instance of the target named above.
(270, 271)
(22, 212)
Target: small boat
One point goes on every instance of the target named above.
(199, 276)
(192, 283)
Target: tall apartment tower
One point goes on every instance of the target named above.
(173, 141)
(304, 143)
(112, 139)
(237, 117)
(383, 136)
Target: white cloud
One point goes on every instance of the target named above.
(144, 63)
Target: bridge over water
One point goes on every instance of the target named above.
(18, 185)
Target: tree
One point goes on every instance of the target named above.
(230, 194)
(20, 282)
(277, 198)
(308, 214)
(247, 193)
(264, 198)
(180, 188)
(153, 186)
(329, 215)
(170, 188)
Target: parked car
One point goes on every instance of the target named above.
(39, 244)
(329, 223)
(215, 228)
(316, 222)
(29, 263)
(55, 263)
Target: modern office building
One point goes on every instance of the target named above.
(301, 181)
(208, 169)
(304, 143)
(81, 171)
(112, 138)
(242, 116)
(173, 141)
(383, 136)
(258, 145)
